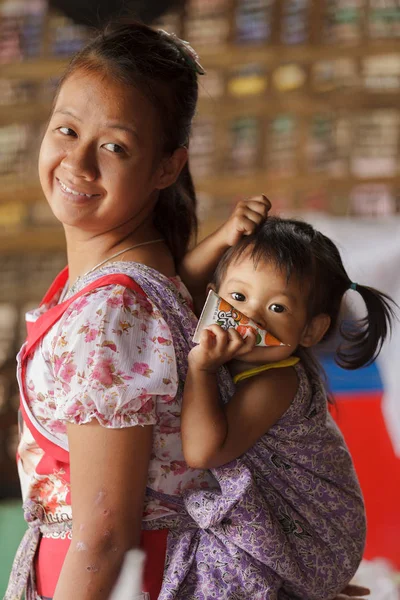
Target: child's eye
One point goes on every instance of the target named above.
(66, 131)
(115, 148)
(238, 297)
(278, 308)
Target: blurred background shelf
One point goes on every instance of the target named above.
(33, 240)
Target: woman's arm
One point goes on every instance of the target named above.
(108, 480)
(199, 264)
(213, 434)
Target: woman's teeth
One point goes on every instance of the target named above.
(67, 189)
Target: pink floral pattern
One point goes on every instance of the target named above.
(111, 357)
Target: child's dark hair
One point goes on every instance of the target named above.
(298, 249)
(153, 62)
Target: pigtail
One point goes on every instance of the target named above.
(365, 337)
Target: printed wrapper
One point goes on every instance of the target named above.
(218, 311)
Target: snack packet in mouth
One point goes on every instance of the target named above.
(218, 311)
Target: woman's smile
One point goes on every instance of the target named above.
(74, 194)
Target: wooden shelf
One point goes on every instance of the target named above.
(12, 189)
(231, 55)
(24, 113)
(222, 56)
(33, 240)
(256, 183)
(226, 185)
(273, 104)
(34, 70)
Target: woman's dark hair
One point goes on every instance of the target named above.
(152, 61)
(299, 250)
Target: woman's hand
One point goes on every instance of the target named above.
(218, 347)
(353, 592)
(247, 215)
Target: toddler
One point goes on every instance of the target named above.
(305, 514)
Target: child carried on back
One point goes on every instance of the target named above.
(291, 498)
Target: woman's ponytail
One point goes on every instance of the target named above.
(365, 337)
(175, 214)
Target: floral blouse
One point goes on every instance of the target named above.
(110, 357)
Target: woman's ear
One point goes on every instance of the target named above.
(315, 330)
(170, 168)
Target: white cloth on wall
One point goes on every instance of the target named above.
(370, 250)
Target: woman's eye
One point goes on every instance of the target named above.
(67, 131)
(114, 148)
(238, 297)
(278, 308)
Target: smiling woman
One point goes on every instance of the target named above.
(102, 145)
(104, 355)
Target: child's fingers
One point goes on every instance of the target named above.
(249, 342)
(247, 223)
(252, 208)
(259, 204)
(248, 215)
(236, 341)
(207, 339)
(220, 338)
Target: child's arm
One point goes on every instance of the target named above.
(213, 434)
(199, 264)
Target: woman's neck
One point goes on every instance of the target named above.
(86, 250)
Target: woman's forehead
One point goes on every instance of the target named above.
(88, 90)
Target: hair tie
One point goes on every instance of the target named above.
(353, 286)
(188, 53)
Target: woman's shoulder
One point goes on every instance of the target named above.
(131, 275)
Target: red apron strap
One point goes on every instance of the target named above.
(58, 283)
(38, 329)
(43, 442)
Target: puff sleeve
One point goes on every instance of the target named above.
(113, 360)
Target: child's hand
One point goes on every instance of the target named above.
(218, 347)
(245, 218)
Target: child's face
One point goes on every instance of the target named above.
(275, 304)
(98, 155)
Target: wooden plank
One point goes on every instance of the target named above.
(33, 240)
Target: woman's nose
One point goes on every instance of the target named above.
(80, 161)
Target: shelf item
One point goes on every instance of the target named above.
(254, 21)
(375, 148)
(384, 19)
(244, 143)
(281, 146)
(246, 81)
(344, 21)
(374, 200)
(295, 23)
(22, 27)
(381, 73)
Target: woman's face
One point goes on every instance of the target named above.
(99, 159)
